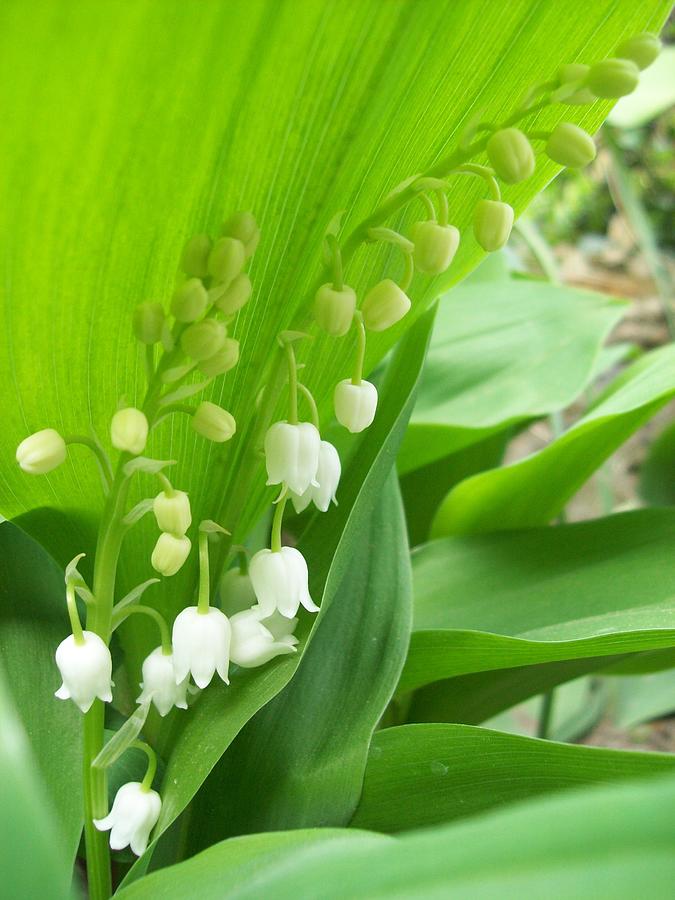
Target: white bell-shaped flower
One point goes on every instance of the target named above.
(159, 683)
(254, 644)
(201, 645)
(327, 478)
(355, 404)
(134, 814)
(86, 670)
(292, 455)
(281, 581)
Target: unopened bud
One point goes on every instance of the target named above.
(243, 227)
(129, 430)
(149, 322)
(213, 422)
(642, 49)
(222, 361)
(511, 155)
(170, 553)
(172, 512)
(194, 261)
(612, 78)
(41, 452)
(236, 295)
(190, 300)
(435, 246)
(576, 72)
(570, 146)
(202, 340)
(355, 404)
(384, 305)
(492, 224)
(334, 310)
(226, 259)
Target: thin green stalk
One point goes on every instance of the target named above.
(338, 276)
(292, 384)
(546, 714)
(309, 397)
(277, 521)
(151, 771)
(75, 624)
(153, 614)
(360, 357)
(204, 586)
(101, 456)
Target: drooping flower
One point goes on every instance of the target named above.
(129, 430)
(254, 644)
(201, 645)
(41, 452)
(134, 814)
(435, 246)
(172, 511)
(570, 146)
(384, 305)
(334, 309)
(213, 422)
(86, 670)
(327, 478)
(492, 224)
(281, 581)
(292, 455)
(159, 683)
(236, 591)
(511, 155)
(355, 404)
(170, 553)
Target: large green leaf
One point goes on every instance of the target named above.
(533, 491)
(573, 591)
(298, 764)
(504, 351)
(33, 621)
(329, 546)
(33, 852)
(114, 149)
(420, 775)
(611, 841)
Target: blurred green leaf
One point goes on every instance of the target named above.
(33, 621)
(657, 473)
(534, 490)
(421, 775)
(295, 110)
(33, 856)
(502, 352)
(541, 595)
(611, 841)
(641, 698)
(329, 545)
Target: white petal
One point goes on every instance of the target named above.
(281, 452)
(268, 577)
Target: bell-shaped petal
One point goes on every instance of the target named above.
(281, 582)
(327, 477)
(201, 645)
(170, 553)
(134, 814)
(253, 644)
(292, 455)
(159, 683)
(86, 670)
(355, 404)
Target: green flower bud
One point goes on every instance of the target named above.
(189, 301)
(642, 49)
(435, 246)
(492, 224)
(149, 322)
(203, 339)
(226, 259)
(170, 553)
(194, 260)
(570, 146)
(244, 228)
(612, 78)
(222, 361)
(576, 72)
(384, 305)
(129, 430)
(511, 155)
(236, 295)
(213, 422)
(334, 310)
(41, 452)
(172, 512)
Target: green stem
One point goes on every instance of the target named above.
(153, 614)
(203, 600)
(314, 412)
(277, 521)
(99, 453)
(75, 624)
(336, 254)
(408, 272)
(292, 384)
(169, 489)
(486, 174)
(242, 556)
(443, 209)
(360, 348)
(545, 715)
(151, 771)
(431, 212)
